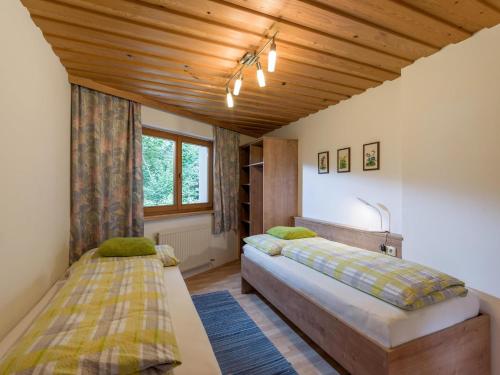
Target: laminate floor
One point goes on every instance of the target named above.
(306, 357)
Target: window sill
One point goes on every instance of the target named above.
(177, 214)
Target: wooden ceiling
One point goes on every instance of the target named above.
(176, 55)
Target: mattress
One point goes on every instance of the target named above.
(386, 324)
(196, 352)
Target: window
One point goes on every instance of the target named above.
(177, 173)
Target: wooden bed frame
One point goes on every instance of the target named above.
(461, 349)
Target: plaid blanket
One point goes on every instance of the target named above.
(405, 284)
(110, 317)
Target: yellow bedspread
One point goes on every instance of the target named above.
(110, 317)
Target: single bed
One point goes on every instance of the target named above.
(388, 325)
(364, 334)
(195, 349)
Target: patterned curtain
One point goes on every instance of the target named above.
(226, 180)
(106, 169)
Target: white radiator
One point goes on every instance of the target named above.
(191, 245)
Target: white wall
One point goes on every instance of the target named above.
(223, 248)
(34, 165)
(451, 173)
(362, 119)
(439, 128)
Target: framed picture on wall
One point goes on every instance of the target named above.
(323, 162)
(344, 160)
(371, 156)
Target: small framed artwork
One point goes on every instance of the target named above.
(323, 162)
(371, 156)
(344, 160)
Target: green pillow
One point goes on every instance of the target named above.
(291, 233)
(127, 247)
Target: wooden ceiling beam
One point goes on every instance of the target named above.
(256, 127)
(302, 101)
(288, 70)
(268, 96)
(89, 18)
(264, 103)
(181, 77)
(309, 94)
(470, 15)
(170, 18)
(151, 103)
(337, 23)
(220, 105)
(167, 98)
(238, 20)
(404, 19)
(229, 116)
(99, 72)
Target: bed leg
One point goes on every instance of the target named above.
(246, 287)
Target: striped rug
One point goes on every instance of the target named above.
(239, 345)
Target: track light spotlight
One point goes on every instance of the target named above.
(229, 98)
(260, 75)
(271, 58)
(247, 60)
(237, 85)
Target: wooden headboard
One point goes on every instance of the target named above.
(352, 236)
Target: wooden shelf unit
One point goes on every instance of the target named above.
(268, 184)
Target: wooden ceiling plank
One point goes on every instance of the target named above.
(337, 23)
(229, 116)
(192, 24)
(277, 88)
(405, 20)
(68, 31)
(268, 104)
(286, 102)
(218, 109)
(168, 96)
(108, 53)
(148, 102)
(210, 82)
(194, 84)
(493, 4)
(470, 15)
(63, 30)
(255, 108)
(293, 67)
(110, 24)
(248, 21)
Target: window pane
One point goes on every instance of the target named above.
(195, 170)
(158, 168)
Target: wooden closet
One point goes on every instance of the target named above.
(268, 184)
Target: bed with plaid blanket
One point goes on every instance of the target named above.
(405, 284)
(110, 317)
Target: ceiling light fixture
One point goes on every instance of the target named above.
(237, 85)
(271, 58)
(249, 59)
(260, 75)
(229, 98)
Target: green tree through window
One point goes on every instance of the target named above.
(158, 169)
(194, 176)
(160, 151)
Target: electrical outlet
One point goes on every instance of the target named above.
(391, 250)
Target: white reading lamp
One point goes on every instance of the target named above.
(388, 215)
(378, 211)
(383, 247)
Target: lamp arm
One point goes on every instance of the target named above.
(386, 210)
(376, 209)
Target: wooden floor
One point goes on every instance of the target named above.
(303, 354)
